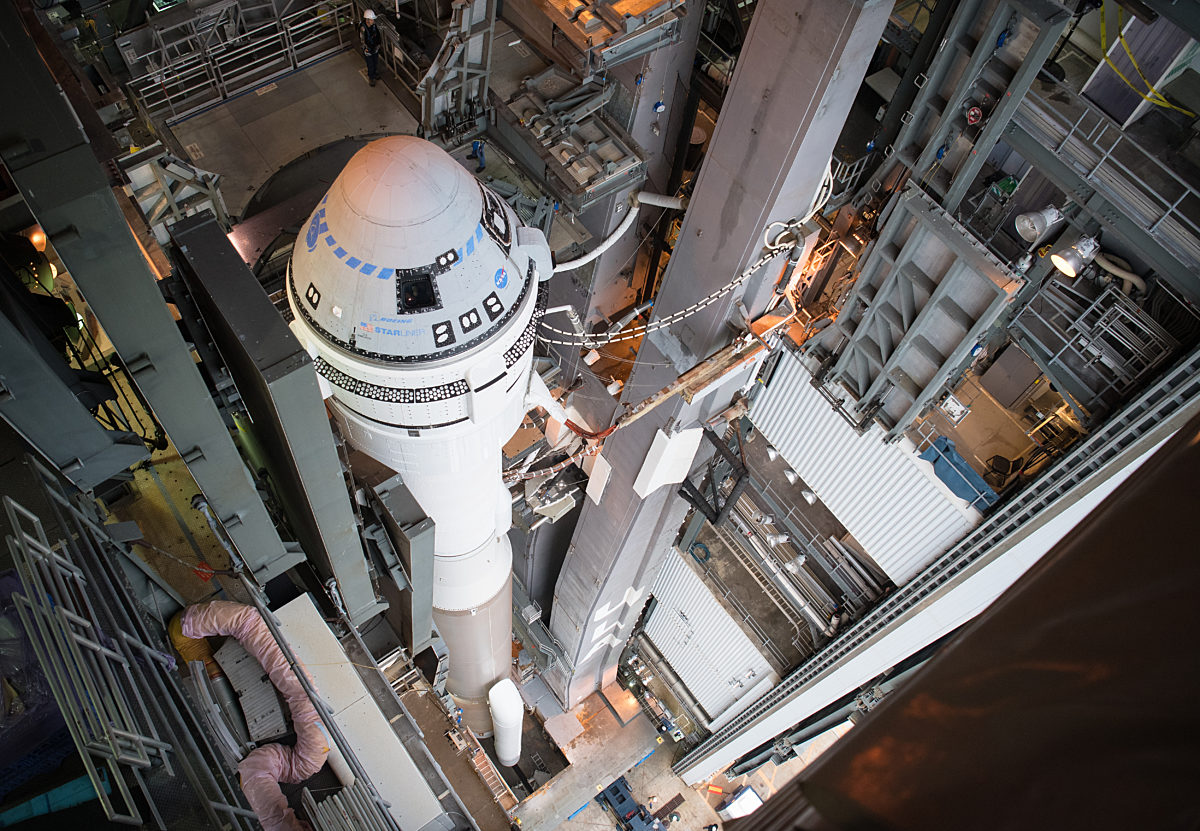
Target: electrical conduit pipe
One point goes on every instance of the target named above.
(265, 767)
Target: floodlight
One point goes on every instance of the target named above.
(1035, 225)
(1071, 260)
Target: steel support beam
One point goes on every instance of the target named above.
(39, 406)
(801, 67)
(278, 384)
(1049, 28)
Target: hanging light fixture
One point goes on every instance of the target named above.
(791, 476)
(772, 453)
(809, 497)
(1071, 260)
(1035, 225)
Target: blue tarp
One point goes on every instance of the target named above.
(959, 477)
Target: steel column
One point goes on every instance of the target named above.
(801, 67)
(53, 165)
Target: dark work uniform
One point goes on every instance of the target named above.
(369, 35)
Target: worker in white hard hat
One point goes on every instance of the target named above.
(368, 33)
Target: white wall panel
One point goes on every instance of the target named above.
(885, 496)
(719, 664)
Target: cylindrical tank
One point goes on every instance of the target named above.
(417, 292)
(508, 710)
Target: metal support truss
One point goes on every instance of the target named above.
(1175, 396)
(940, 142)
(1097, 349)
(926, 294)
(1113, 179)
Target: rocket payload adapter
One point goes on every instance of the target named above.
(417, 292)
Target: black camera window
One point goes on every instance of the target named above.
(417, 294)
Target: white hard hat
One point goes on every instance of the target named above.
(369, 14)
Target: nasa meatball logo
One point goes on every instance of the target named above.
(314, 230)
(501, 279)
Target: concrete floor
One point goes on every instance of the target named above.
(987, 430)
(745, 589)
(466, 783)
(246, 140)
(251, 138)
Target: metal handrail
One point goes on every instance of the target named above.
(714, 54)
(1089, 143)
(216, 71)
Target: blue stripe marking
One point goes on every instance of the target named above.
(354, 262)
(578, 811)
(367, 269)
(330, 241)
(385, 273)
(478, 232)
(323, 228)
(339, 252)
(647, 756)
(459, 252)
(470, 247)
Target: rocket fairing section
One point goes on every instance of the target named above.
(417, 292)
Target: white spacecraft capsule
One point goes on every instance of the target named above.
(417, 291)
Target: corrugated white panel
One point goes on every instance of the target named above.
(721, 667)
(888, 498)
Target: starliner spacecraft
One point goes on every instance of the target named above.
(417, 291)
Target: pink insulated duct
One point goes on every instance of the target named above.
(265, 767)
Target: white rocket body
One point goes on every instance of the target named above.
(416, 290)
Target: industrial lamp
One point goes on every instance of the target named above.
(1071, 260)
(1035, 225)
